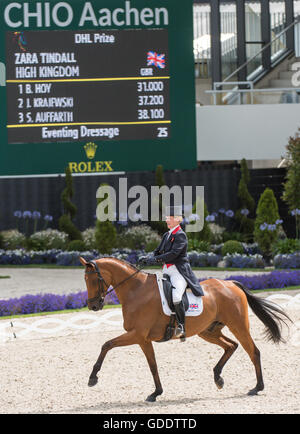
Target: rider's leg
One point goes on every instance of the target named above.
(179, 286)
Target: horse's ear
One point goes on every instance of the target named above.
(83, 261)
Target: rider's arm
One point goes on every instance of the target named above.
(179, 244)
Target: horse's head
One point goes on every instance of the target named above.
(97, 283)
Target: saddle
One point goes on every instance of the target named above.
(167, 287)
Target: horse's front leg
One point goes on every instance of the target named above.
(123, 340)
(148, 350)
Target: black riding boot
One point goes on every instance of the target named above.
(180, 318)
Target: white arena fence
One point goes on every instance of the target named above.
(65, 324)
(60, 325)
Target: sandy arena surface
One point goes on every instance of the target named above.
(50, 374)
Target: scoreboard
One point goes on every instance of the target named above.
(107, 85)
(96, 86)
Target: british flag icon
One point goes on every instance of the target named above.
(156, 59)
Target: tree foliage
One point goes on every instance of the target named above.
(66, 223)
(291, 194)
(105, 232)
(266, 212)
(246, 202)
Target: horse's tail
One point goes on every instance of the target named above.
(270, 314)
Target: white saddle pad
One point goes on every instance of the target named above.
(195, 303)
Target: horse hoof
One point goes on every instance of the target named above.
(92, 381)
(219, 383)
(252, 392)
(151, 398)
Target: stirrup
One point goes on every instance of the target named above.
(180, 332)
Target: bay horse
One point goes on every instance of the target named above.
(225, 303)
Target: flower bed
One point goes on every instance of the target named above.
(275, 279)
(203, 259)
(197, 259)
(42, 303)
(58, 257)
(52, 302)
(236, 260)
(287, 261)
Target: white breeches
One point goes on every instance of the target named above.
(177, 280)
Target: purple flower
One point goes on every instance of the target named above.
(278, 222)
(229, 213)
(275, 279)
(222, 211)
(36, 215)
(244, 211)
(194, 217)
(18, 214)
(263, 227)
(48, 218)
(272, 228)
(27, 214)
(210, 218)
(295, 212)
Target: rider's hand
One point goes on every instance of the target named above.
(147, 260)
(143, 260)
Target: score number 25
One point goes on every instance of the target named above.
(162, 132)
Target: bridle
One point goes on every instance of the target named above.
(102, 292)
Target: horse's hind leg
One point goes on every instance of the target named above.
(241, 332)
(215, 336)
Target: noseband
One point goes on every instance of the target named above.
(102, 293)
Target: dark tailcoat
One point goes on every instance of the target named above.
(173, 250)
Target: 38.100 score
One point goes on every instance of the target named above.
(151, 114)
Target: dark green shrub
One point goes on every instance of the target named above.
(105, 236)
(291, 187)
(228, 236)
(65, 222)
(246, 204)
(205, 234)
(76, 245)
(66, 225)
(199, 246)
(231, 247)
(287, 246)
(105, 232)
(245, 198)
(266, 212)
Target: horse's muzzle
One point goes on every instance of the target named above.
(96, 305)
